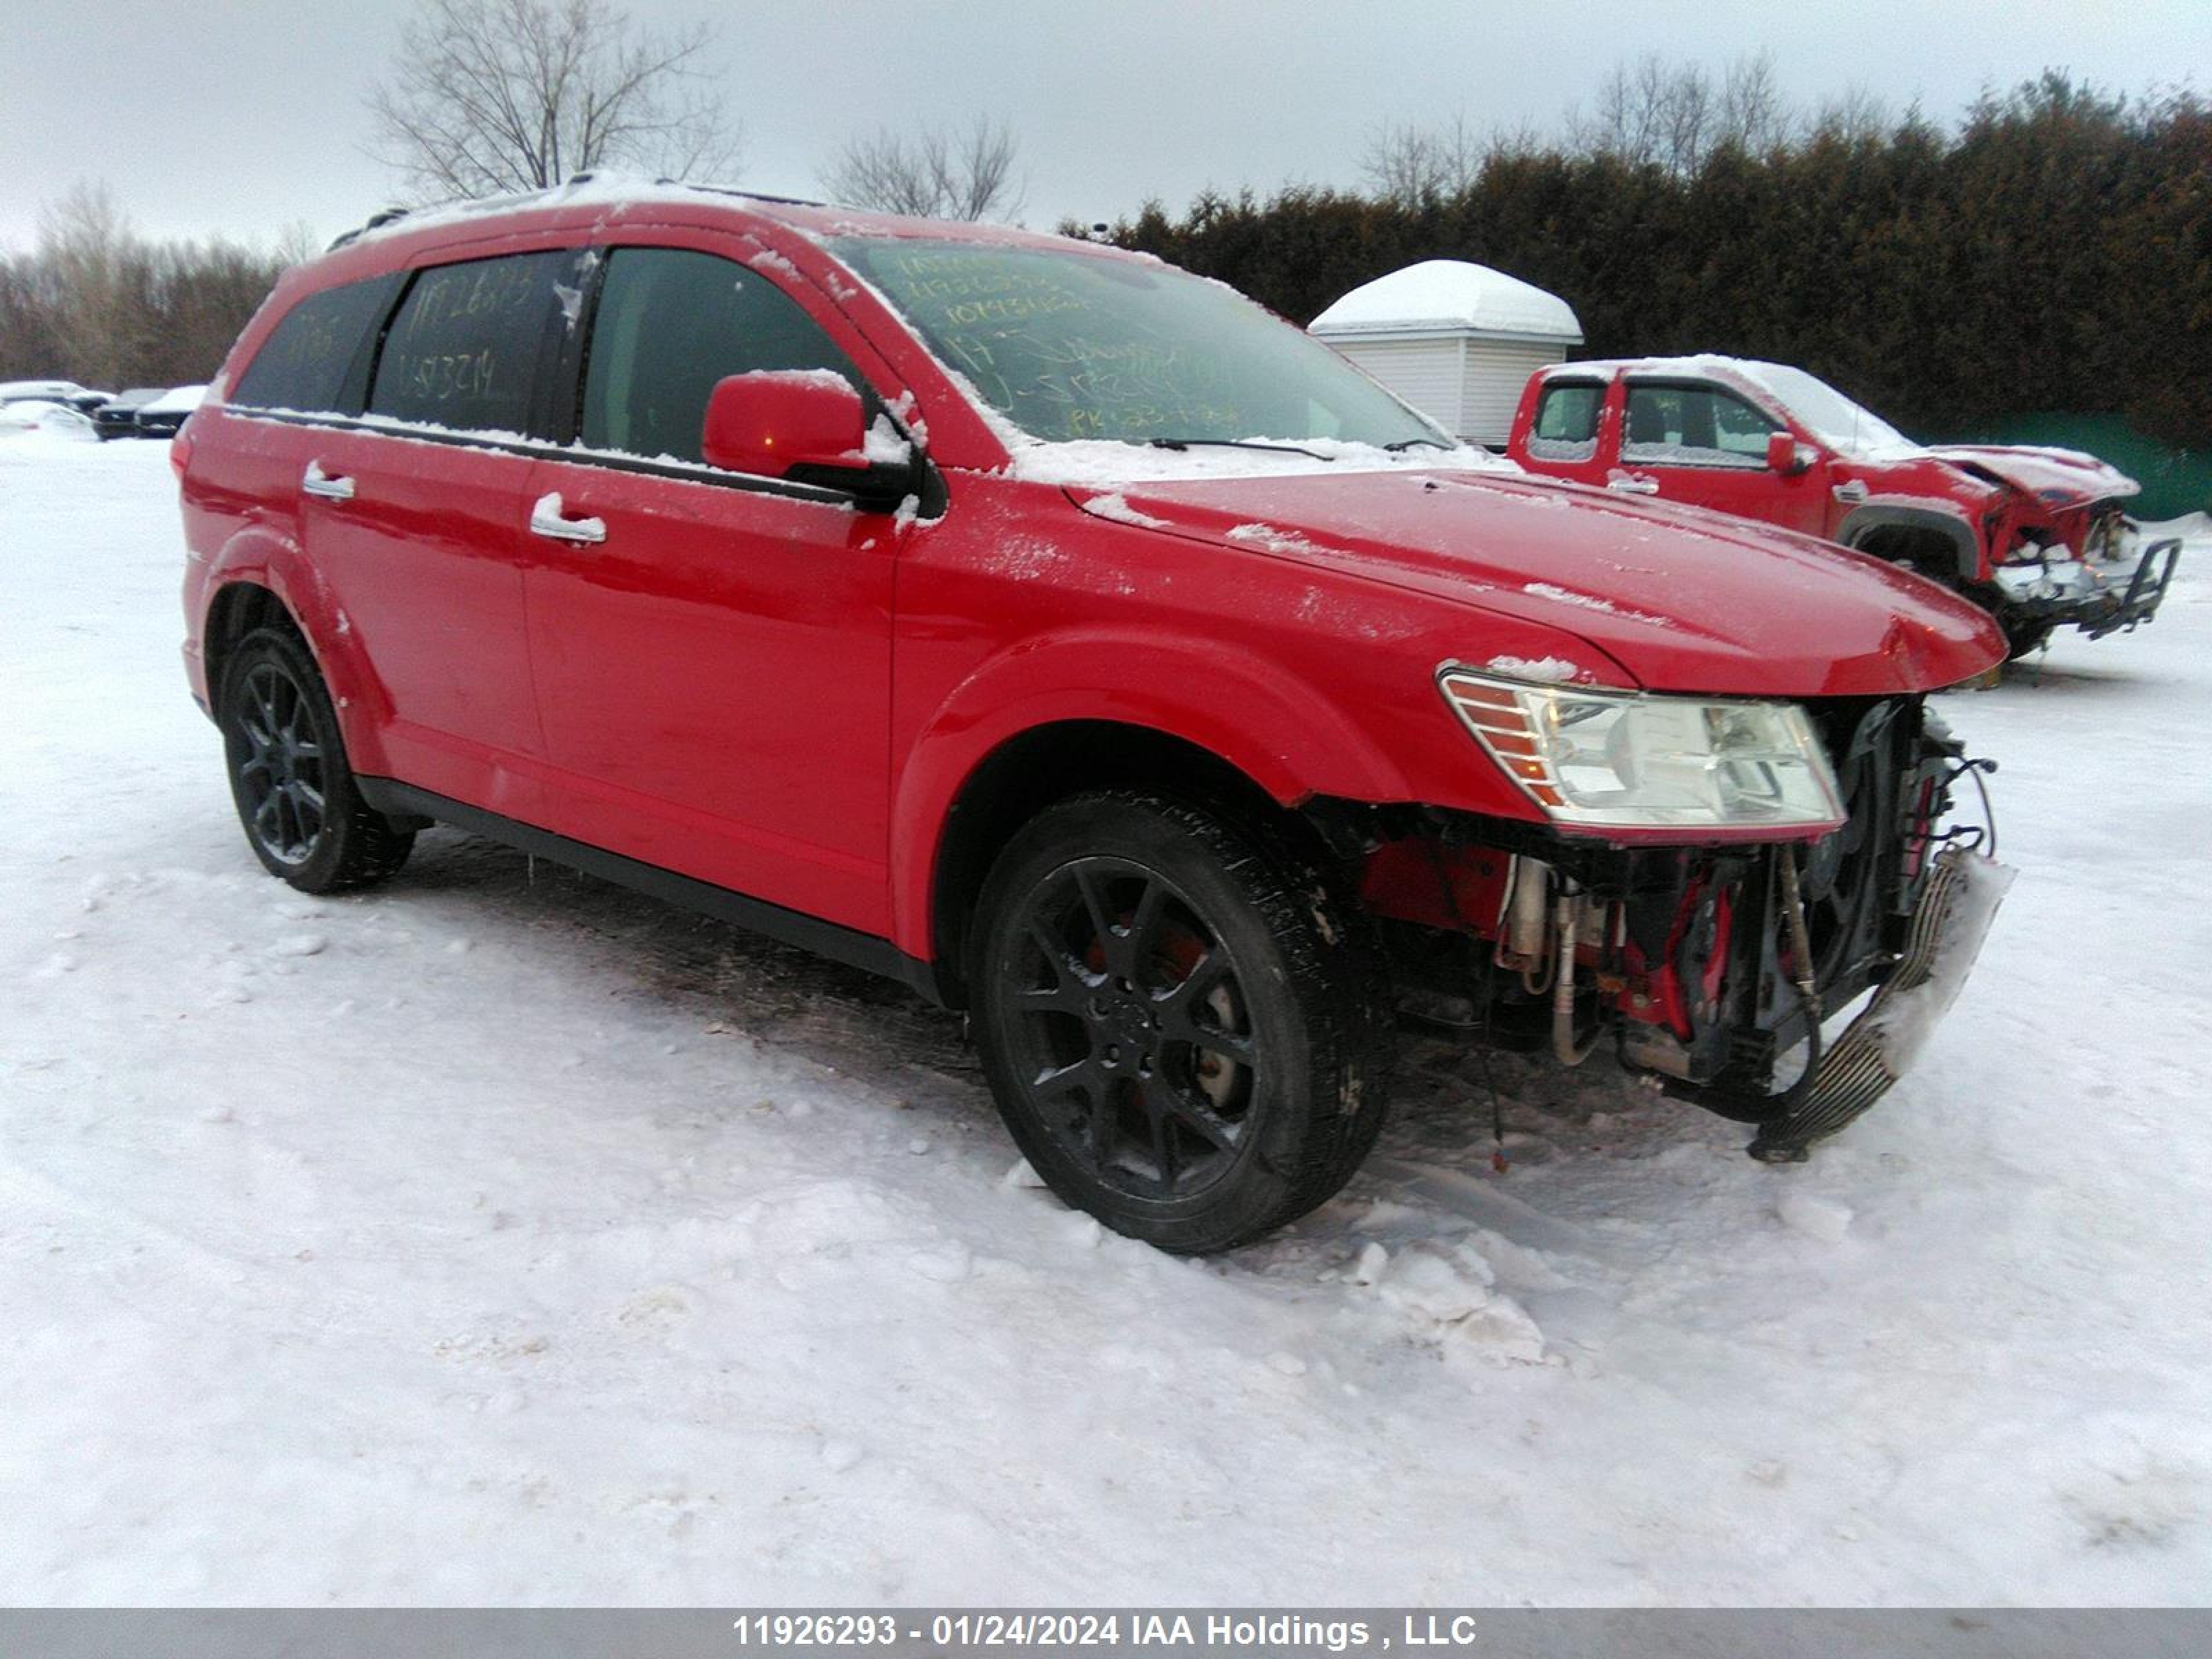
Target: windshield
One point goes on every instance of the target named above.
(1068, 346)
(1824, 411)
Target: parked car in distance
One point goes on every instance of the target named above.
(1065, 636)
(159, 417)
(2038, 537)
(118, 416)
(66, 393)
(42, 415)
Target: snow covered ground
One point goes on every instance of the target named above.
(502, 1237)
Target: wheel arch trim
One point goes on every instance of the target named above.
(1146, 686)
(1928, 517)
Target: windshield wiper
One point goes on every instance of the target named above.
(1230, 443)
(1399, 445)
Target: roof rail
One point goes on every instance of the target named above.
(386, 216)
(382, 217)
(747, 195)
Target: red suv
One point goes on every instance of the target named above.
(1068, 638)
(2038, 537)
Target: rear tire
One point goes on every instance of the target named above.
(1185, 1028)
(303, 815)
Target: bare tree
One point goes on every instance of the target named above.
(1676, 116)
(936, 173)
(96, 301)
(93, 266)
(1752, 113)
(1856, 115)
(490, 96)
(1404, 162)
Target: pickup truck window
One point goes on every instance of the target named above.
(1072, 345)
(1566, 420)
(1692, 426)
(669, 324)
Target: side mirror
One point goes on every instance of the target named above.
(774, 420)
(1785, 455)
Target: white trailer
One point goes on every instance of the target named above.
(1455, 340)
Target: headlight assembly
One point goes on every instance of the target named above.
(1633, 761)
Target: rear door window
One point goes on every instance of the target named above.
(1566, 420)
(1691, 425)
(670, 323)
(471, 344)
(316, 360)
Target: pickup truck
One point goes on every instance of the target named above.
(2038, 537)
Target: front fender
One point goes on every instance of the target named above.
(1922, 514)
(1288, 737)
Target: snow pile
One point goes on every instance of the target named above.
(1551, 671)
(534, 1211)
(1116, 507)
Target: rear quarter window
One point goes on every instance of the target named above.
(469, 344)
(315, 359)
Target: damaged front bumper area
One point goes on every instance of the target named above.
(1784, 985)
(1862, 1064)
(2098, 596)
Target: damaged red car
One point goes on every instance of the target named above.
(2038, 538)
(1068, 638)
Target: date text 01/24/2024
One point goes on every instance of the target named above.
(1167, 1631)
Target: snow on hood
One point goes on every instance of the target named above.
(1685, 600)
(1107, 462)
(2057, 477)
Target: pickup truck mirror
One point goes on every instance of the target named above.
(1785, 455)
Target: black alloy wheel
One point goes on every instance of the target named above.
(1185, 1025)
(280, 783)
(303, 815)
(1128, 1012)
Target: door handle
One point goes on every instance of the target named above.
(1629, 484)
(316, 481)
(548, 519)
(1854, 490)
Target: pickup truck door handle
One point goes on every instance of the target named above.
(1629, 484)
(1854, 490)
(548, 518)
(316, 481)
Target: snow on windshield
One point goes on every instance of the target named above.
(1824, 411)
(1080, 348)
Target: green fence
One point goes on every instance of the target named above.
(2174, 481)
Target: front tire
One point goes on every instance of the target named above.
(2023, 638)
(303, 815)
(1186, 1031)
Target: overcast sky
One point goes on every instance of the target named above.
(242, 116)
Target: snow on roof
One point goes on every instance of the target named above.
(1827, 413)
(611, 191)
(1439, 296)
(177, 397)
